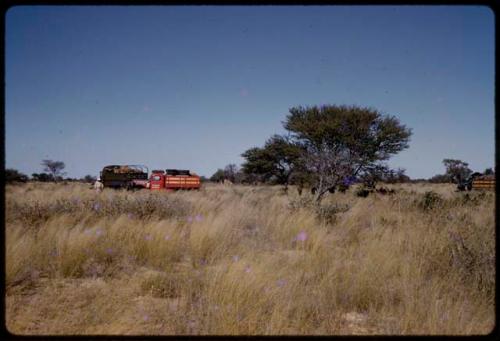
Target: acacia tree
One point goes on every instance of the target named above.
(54, 168)
(257, 165)
(218, 176)
(344, 141)
(230, 172)
(278, 159)
(457, 170)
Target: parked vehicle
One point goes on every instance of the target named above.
(477, 181)
(484, 182)
(173, 179)
(125, 176)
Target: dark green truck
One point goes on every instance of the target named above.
(125, 176)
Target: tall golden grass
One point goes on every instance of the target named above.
(248, 260)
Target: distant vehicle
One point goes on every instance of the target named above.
(125, 176)
(173, 179)
(484, 182)
(477, 181)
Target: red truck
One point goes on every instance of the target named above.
(173, 179)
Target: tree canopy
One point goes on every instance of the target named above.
(42, 177)
(217, 176)
(54, 168)
(13, 175)
(345, 141)
(328, 147)
(277, 160)
(456, 170)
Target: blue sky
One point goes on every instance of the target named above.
(194, 87)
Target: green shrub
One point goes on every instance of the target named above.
(327, 213)
(430, 200)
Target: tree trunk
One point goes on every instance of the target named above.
(320, 192)
(285, 189)
(318, 197)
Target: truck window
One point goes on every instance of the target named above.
(156, 178)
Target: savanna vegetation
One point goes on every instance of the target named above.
(248, 260)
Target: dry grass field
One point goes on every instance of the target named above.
(248, 260)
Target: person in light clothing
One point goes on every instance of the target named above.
(98, 185)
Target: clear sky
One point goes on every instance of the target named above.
(194, 87)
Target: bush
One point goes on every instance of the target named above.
(473, 198)
(362, 192)
(430, 200)
(327, 213)
(300, 202)
(13, 175)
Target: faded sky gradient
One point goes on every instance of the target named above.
(194, 87)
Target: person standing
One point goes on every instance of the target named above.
(98, 185)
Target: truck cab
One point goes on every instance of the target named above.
(157, 180)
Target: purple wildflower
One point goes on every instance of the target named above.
(203, 261)
(236, 258)
(198, 217)
(99, 232)
(454, 236)
(167, 237)
(192, 323)
(248, 269)
(130, 215)
(146, 317)
(148, 237)
(348, 181)
(281, 283)
(97, 206)
(189, 219)
(302, 236)
(109, 251)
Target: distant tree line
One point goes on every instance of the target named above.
(456, 171)
(230, 172)
(326, 148)
(53, 172)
